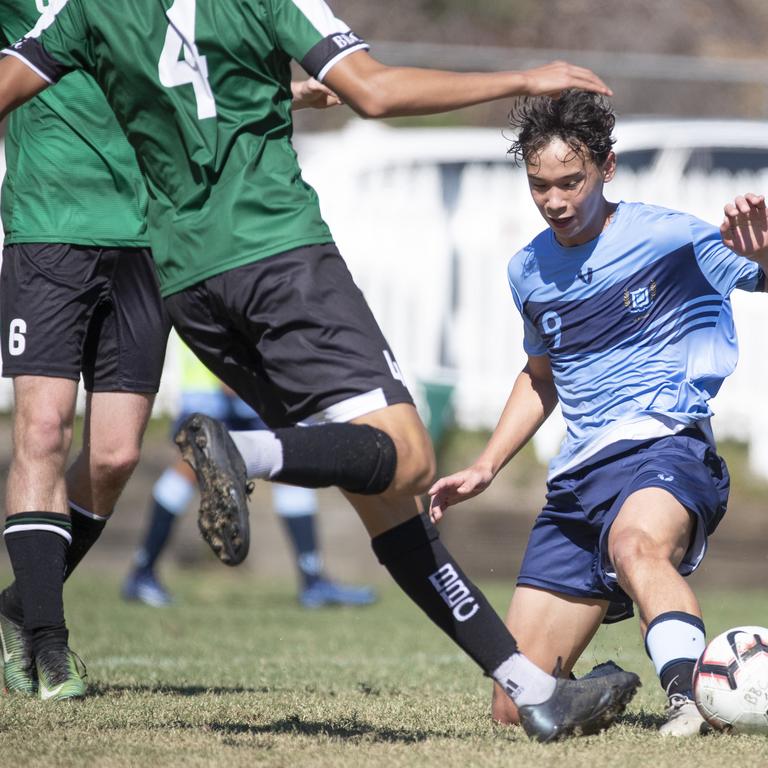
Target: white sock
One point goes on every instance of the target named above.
(261, 451)
(674, 636)
(523, 681)
(173, 491)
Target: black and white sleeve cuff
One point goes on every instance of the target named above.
(330, 51)
(31, 52)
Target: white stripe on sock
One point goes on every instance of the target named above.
(85, 513)
(39, 527)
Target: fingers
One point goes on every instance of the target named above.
(587, 80)
(435, 510)
(552, 79)
(745, 226)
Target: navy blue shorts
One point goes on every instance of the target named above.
(567, 550)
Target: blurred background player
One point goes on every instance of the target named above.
(172, 494)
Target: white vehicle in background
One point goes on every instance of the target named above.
(692, 165)
(685, 147)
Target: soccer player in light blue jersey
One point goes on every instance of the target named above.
(628, 327)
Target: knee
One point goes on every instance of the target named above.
(416, 466)
(41, 436)
(114, 465)
(629, 551)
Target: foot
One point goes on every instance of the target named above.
(579, 707)
(59, 674)
(207, 447)
(683, 718)
(601, 670)
(145, 588)
(18, 667)
(324, 593)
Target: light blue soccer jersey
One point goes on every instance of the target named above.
(637, 324)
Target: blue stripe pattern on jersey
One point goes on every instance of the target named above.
(636, 323)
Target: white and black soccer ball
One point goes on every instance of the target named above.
(730, 681)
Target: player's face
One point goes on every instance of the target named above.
(567, 188)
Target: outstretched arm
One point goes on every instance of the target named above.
(745, 228)
(532, 399)
(18, 83)
(373, 89)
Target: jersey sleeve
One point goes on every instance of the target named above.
(533, 343)
(308, 31)
(57, 44)
(723, 268)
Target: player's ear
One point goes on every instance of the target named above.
(609, 167)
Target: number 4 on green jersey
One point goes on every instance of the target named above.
(193, 68)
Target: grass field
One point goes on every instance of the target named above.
(237, 674)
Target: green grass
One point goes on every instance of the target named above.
(237, 674)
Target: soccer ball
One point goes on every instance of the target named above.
(730, 681)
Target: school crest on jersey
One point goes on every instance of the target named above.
(639, 300)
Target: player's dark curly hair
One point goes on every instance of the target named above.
(581, 119)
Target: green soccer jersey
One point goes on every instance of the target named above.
(71, 175)
(202, 90)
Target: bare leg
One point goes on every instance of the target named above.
(114, 428)
(44, 411)
(647, 542)
(548, 626)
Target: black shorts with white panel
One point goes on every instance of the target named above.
(67, 310)
(294, 337)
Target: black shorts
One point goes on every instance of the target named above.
(68, 309)
(293, 335)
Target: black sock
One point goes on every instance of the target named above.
(302, 533)
(10, 604)
(426, 572)
(160, 526)
(356, 457)
(37, 545)
(678, 678)
(86, 530)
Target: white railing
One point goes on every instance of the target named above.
(427, 220)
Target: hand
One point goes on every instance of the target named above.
(555, 77)
(456, 488)
(312, 94)
(745, 226)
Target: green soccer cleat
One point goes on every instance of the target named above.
(18, 668)
(59, 674)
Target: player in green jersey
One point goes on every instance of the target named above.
(255, 285)
(78, 295)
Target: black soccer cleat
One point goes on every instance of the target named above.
(579, 707)
(207, 447)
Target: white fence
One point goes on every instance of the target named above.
(427, 220)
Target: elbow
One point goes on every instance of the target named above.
(373, 98)
(372, 107)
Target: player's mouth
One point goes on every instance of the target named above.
(561, 223)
